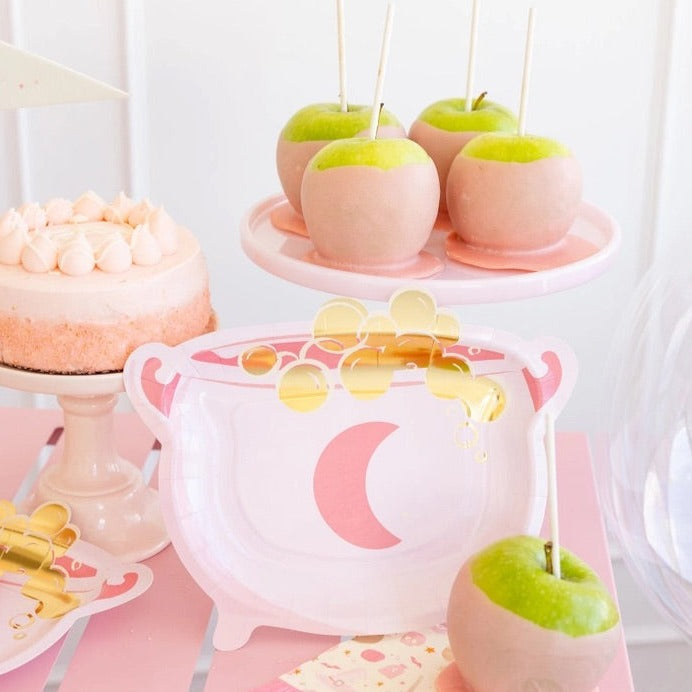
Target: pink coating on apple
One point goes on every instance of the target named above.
(498, 650)
(502, 205)
(291, 161)
(450, 680)
(368, 217)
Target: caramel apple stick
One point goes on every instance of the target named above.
(384, 55)
(471, 67)
(526, 79)
(342, 55)
(552, 495)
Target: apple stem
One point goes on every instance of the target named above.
(548, 547)
(472, 56)
(478, 101)
(379, 115)
(384, 54)
(526, 79)
(342, 54)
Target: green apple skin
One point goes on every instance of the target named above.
(326, 121)
(514, 148)
(316, 125)
(577, 604)
(363, 151)
(513, 626)
(445, 127)
(451, 115)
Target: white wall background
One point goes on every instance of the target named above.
(213, 82)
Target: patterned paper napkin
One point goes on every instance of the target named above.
(406, 662)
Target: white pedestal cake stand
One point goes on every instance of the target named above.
(287, 255)
(110, 502)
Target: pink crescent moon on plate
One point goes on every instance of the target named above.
(339, 486)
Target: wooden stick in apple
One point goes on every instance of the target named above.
(342, 55)
(553, 547)
(471, 68)
(384, 55)
(526, 79)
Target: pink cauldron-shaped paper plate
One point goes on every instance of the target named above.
(338, 489)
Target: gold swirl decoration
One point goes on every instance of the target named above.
(29, 546)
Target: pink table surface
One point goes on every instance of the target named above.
(161, 641)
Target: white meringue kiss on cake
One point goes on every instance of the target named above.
(83, 283)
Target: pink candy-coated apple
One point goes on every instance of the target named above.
(513, 193)
(514, 626)
(312, 128)
(370, 203)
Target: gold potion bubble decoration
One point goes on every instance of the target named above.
(29, 546)
(412, 334)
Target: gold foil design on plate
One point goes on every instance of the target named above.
(412, 334)
(259, 360)
(29, 546)
(303, 386)
(337, 324)
(364, 373)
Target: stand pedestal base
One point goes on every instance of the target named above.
(110, 503)
(126, 522)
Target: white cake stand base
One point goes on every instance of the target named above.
(110, 503)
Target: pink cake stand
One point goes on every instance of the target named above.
(110, 502)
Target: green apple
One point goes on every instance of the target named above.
(511, 194)
(444, 127)
(326, 122)
(577, 604)
(311, 128)
(513, 624)
(485, 116)
(370, 204)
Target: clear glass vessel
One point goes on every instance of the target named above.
(648, 487)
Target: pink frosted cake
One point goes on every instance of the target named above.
(83, 283)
